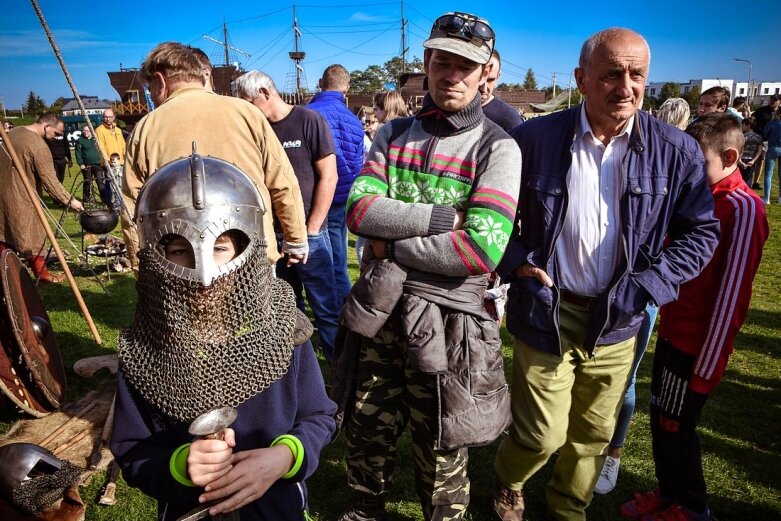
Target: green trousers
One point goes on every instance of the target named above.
(569, 404)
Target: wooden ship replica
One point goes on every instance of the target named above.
(134, 103)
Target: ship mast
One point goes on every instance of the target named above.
(297, 55)
(225, 38)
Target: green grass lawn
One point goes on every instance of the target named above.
(740, 425)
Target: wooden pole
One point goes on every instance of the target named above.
(87, 121)
(39, 211)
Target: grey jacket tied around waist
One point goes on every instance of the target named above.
(447, 333)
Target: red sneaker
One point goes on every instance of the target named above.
(677, 513)
(641, 505)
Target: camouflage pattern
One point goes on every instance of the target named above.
(388, 396)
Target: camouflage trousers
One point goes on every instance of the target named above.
(388, 396)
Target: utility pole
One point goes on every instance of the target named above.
(554, 84)
(404, 47)
(748, 86)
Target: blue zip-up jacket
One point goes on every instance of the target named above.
(664, 193)
(347, 131)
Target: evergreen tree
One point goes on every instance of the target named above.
(530, 82)
(35, 106)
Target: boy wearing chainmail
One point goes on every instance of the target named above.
(214, 328)
(436, 199)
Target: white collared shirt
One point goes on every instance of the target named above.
(589, 247)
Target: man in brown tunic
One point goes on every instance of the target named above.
(20, 228)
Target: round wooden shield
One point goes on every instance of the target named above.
(34, 371)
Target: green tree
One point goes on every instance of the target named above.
(693, 98)
(56, 107)
(530, 82)
(669, 90)
(35, 106)
(392, 68)
(372, 79)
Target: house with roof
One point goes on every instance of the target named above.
(92, 105)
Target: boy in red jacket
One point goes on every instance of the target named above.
(697, 332)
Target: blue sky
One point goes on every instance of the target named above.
(687, 39)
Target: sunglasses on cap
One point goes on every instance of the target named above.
(460, 26)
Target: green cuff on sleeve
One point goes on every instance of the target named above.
(178, 465)
(296, 447)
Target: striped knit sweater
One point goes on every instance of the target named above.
(410, 189)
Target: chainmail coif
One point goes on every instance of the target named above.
(193, 347)
(41, 493)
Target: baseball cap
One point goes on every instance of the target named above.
(463, 34)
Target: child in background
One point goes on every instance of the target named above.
(697, 332)
(715, 99)
(752, 150)
(115, 173)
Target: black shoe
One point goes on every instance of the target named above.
(755, 186)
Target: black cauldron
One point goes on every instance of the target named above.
(98, 221)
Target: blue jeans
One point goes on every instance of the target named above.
(317, 277)
(337, 232)
(628, 407)
(773, 153)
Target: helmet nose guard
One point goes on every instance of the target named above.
(199, 198)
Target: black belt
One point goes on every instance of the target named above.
(579, 300)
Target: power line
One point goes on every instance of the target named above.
(337, 6)
(259, 16)
(361, 24)
(357, 46)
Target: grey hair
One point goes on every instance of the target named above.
(250, 84)
(674, 111)
(596, 40)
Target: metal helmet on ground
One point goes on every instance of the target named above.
(32, 478)
(199, 198)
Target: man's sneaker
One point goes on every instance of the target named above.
(677, 513)
(508, 503)
(367, 508)
(755, 186)
(609, 476)
(643, 504)
(355, 514)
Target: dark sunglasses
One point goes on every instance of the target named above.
(466, 28)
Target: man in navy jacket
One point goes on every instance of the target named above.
(602, 185)
(347, 132)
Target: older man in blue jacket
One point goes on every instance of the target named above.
(602, 185)
(347, 132)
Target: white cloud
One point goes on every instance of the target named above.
(30, 43)
(365, 17)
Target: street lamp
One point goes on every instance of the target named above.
(748, 98)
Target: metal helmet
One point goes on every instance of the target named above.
(32, 479)
(23, 462)
(199, 198)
